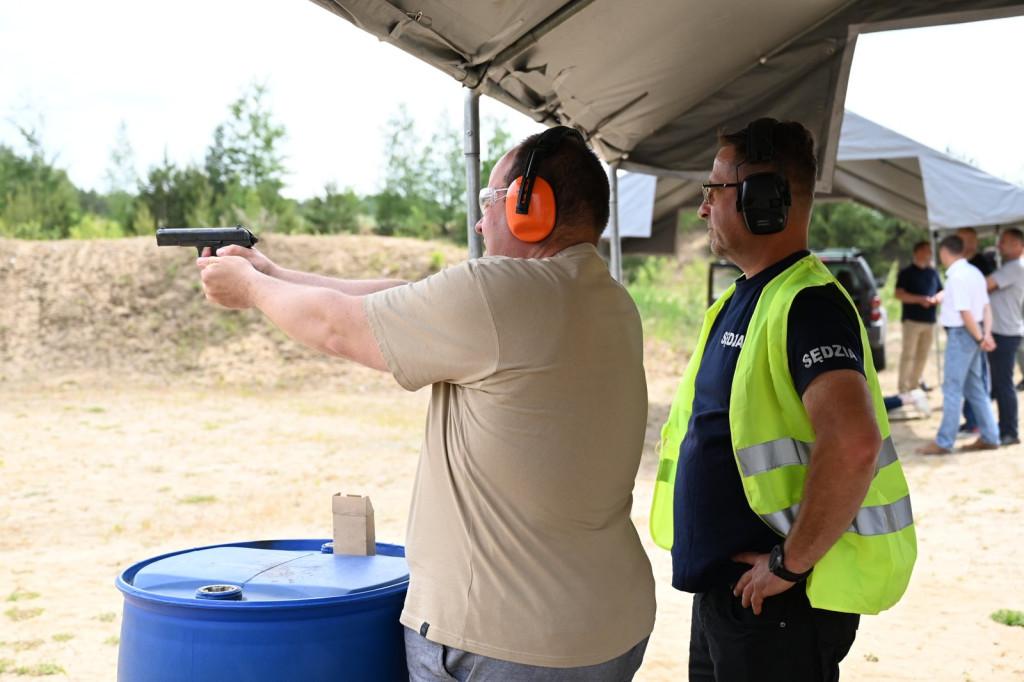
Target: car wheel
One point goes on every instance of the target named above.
(878, 356)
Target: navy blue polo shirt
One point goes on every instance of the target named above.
(923, 282)
(712, 519)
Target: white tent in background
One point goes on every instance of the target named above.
(881, 168)
(885, 170)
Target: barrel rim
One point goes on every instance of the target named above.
(136, 595)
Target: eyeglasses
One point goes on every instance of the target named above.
(707, 187)
(489, 196)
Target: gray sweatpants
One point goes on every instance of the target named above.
(433, 662)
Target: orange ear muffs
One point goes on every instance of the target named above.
(537, 223)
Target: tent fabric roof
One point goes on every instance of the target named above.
(881, 168)
(649, 84)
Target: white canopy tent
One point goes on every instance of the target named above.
(885, 170)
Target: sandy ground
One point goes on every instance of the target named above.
(100, 470)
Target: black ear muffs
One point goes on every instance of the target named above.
(763, 198)
(530, 206)
(764, 201)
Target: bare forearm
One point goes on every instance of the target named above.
(971, 325)
(350, 287)
(834, 491)
(324, 319)
(905, 296)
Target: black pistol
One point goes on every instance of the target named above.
(201, 237)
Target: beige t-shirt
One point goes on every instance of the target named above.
(520, 543)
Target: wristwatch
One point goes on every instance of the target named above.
(777, 565)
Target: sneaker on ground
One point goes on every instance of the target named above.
(921, 402)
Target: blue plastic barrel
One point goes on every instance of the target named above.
(264, 611)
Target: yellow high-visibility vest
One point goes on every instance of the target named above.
(869, 567)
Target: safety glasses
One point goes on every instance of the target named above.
(489, 196)
(708, 186)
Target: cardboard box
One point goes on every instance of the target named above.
(353, 525)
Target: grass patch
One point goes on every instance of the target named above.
(63, 637)
(113, 640)
(1009, 617)
(199, 499)
(671, 298)
(19, 595)
(108, 617)
(40, 670)
(28, 644)
(16, 614)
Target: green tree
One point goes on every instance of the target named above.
(175, 197)
(123, 184)
(406, 207)
(499, 142)
(881, 237)
(424, 191)
(336, 212)
(37, 200)
(244, 159)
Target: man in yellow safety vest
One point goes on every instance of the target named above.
(779, 490)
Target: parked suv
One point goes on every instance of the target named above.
(853, 273)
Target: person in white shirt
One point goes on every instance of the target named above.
(967, 317)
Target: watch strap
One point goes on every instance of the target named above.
(777, 565)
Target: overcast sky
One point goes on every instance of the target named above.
(74, 71)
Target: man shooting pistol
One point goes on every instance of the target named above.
(205, 237)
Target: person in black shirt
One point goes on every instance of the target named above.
(919, 289)
(979, 260)
(751, 621)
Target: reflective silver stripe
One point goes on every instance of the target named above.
(782, 452)
(782, 520)
(885, 518)
(757, 459)
(886, 454)
(879, 520)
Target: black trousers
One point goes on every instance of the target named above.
(789, 642)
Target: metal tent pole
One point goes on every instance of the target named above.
(471, 147)
(615, 244)
(938, 348)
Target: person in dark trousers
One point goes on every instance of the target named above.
(1006, 293)
(779, 491)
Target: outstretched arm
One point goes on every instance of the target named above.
(352, 287)
(325, 319)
